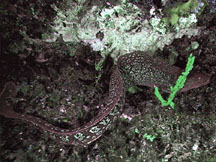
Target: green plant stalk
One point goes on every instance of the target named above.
(179, 84)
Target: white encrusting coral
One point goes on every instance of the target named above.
(122, 28)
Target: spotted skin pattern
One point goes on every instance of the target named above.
(135, 68)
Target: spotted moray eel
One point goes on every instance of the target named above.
(135, 68)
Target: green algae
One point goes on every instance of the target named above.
(183, 12)
(180, 9)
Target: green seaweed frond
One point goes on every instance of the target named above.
(149, 137)
(179, 84)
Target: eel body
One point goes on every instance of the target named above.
(135, 68)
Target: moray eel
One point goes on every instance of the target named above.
(137, 68)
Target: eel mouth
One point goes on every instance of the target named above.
(195, 81)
